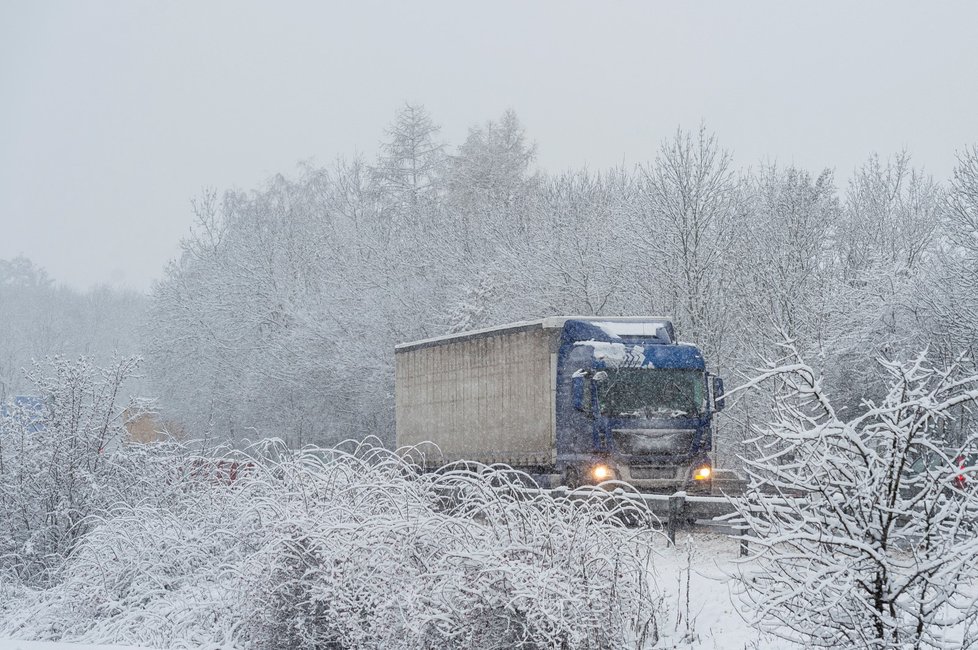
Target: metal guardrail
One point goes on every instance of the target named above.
(681, 511)
(678, 511)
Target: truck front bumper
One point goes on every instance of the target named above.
(666, 478)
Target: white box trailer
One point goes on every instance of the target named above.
(486, 396)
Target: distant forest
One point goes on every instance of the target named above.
(39, 319)
(281, 314)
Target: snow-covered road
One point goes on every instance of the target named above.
(702, 566)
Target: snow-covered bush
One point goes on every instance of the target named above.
(353, 548)
(54, 462)
(862, 533)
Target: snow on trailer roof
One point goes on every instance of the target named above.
(629, 328)
(613, 326)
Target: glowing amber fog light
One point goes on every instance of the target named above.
(702, 473)
(602, 473)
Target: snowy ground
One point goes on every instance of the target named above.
(702, 565)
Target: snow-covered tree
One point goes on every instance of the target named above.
(39, 319)
(950, 290)
(490, 184)
(891, 216)
(577, 260)
(862, 533)
(783, 260)
(410, 171)
(684, 224)
(54, 462)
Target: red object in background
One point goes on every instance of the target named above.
(960, 480)
(219, 470)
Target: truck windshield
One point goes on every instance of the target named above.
(649, 392)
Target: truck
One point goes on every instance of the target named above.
(569, 400)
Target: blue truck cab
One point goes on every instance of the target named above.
(633, 404)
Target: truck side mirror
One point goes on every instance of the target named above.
(718, 400)
(577, 392)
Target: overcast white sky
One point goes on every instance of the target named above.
(114, 114)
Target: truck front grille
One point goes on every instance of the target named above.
(656, 442)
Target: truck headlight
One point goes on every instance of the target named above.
(702, 472)
(602, 473)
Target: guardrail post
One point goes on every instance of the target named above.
(677, 514)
